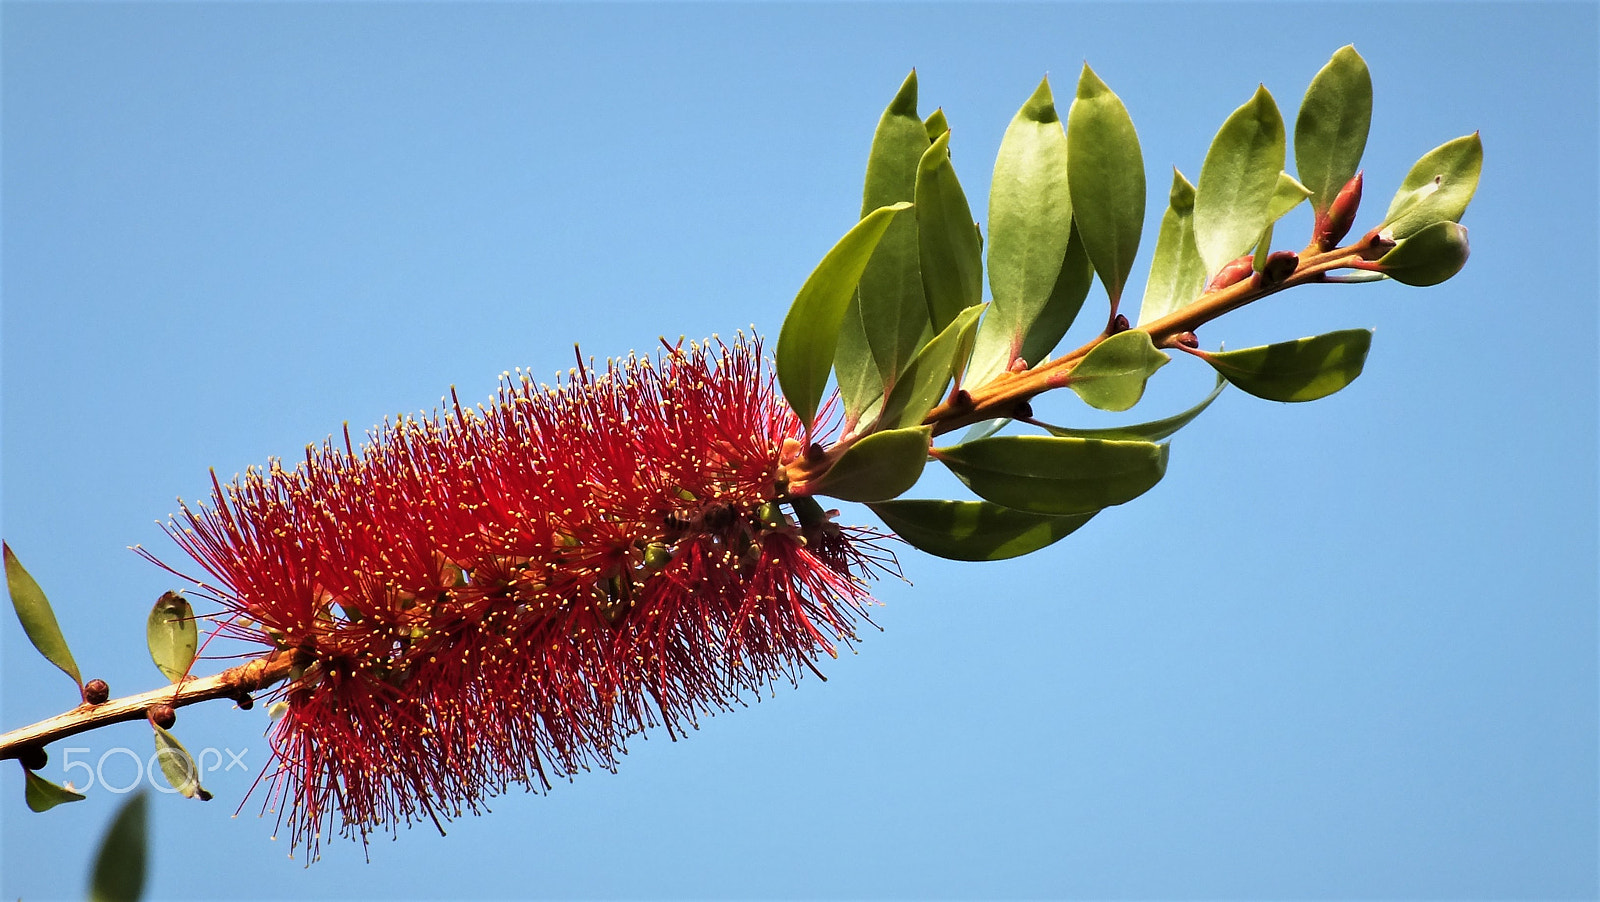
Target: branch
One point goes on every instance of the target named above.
(1009, 393)
(231, 683)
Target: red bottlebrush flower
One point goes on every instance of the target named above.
(503, 595)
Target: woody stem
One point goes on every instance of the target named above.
(248, 677)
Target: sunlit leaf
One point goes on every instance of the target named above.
(929, 373)
(1177, 276)
(1153, 431)
(1051, 475)
(119, 867)
(177, 765)
(935, 125)
(1030, 217)
(1113, 374)
(42, 795)
(1429, 257)
(1105, 173)
(1302, 370)
(1330, 132)
(38, 619)
(951, 258)
(1237, 181)
(879, 467)
(811, 329)
(860, 385)
(172, 636)
(1286, 195)
(1000, 342)
(893, 310)
(974, 530)
(1438, 188)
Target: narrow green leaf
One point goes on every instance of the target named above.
(1030, 214)
(1302, 370)
(1105, 173)
(878, 467)
(1050, 475)
(178, 767)
(42, 795)
(929, 373)
(951, 257)
(974, 530)
(38, 619)
(935, 125)
(1153, 431)
(1286, 195)
(810, 331)
(1000, 341)
(119, 867)
(1330, 132)
(1113, 374)
(172, 636)
(1237, 181)
(1263, 248)
(860, 384)
(893, 310)
(1176, 274)
(983, 429)
(1438, 188)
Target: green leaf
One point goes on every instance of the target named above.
(999, 341)
(935, 125)
(42, 795)
(1113, 374)
(1429, 257)
(1176, 274)
(860, 385)
(172, 635)
(929, 373)
(178, 767)
(1237, 181)
(1286, 195)
(1153, 431)
(878, 467)
(974, 530)
(984, 429)
(1030, 216)
(119, 867)
(951, 258)
(1330, 132)
(1438, 188)
(1105, 172)
(894, 313)
(1302, 370)
(38, 620)
(811, 329)
(1050, 475)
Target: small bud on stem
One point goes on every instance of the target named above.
(163, 716)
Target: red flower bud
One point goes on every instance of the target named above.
(163, 716)
(1232, 273)
(96, 692)
(34, 757)
(1280, 265)
(1335, 222)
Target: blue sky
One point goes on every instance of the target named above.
(1346, 649)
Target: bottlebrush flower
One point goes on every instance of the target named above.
(503, 595)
